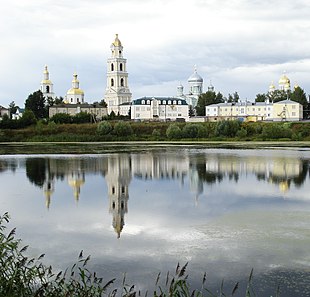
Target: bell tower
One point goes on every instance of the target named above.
(117, 91)
(46, 86)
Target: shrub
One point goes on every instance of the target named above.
(123, 129)
(104, 128)
(190, 130)
(276, 131)
(82, 117)
(174, 131)
(61, 118)
(242, 133)
(156, 134)
(227, 128)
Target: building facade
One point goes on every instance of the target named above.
(159, 108)
(117, 92)
(285, 110)
(95, 110)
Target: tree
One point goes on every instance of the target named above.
(261, 98)
(233, 97)
(207, 98)
(12, 108)
(36, 103)
(279, 95)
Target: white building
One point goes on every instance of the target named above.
(159, 108)
(46, 85)
(117, 91)
(75, 95)
(286, 110)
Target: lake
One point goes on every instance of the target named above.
(143, 209)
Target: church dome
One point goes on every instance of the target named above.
(284, 80)
(117, 42)
(74, 91)
(195, 77)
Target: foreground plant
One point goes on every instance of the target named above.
(21, 276)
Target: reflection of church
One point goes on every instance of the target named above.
(198, 170)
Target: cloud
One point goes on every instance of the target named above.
(229, 42)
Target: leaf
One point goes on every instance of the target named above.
(157, 279)
(235, 289)
(108, 284)
(24, 249)
(183, 270)
(81, 255)
(41, 256)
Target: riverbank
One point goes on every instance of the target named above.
(114, 131)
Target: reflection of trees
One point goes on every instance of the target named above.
(298, 180)
(199, 163)
(36, 171)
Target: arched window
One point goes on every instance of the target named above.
(148, 102)
(112, 82)
(143, 102)
(169, 102)
(113, 205)
(174, 102)
(164, 102)
(179, 102)
(112, 67)
(121, 67)
(122, 81)
(47, 89)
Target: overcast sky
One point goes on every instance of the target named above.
(241, 45)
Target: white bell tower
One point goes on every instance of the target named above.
(117, 91)
(46, 86)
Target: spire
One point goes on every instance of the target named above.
(117, 42)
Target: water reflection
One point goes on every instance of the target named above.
(202, 169)
(224, 211)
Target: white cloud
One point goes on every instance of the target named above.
(241, 45)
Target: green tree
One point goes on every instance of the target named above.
(123, 129)
(104, 128)
(233, 97)
(208, 98)
(261, 98)
(279, 95)
(61, 118)
(28, 118)
(12, 108)
(36, 103)
(174, 131)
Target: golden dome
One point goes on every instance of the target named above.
(117, 42)
(284, 186)
(284, 80)
(74, 91)
(272, 86)
(46, 81)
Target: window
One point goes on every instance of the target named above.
(179, 102)
(169, 101)
(174, 102)
(113, 205)
(293, 106)
(113, 190)
(123, 190)
(112, 67)
(47, 89)
(164, 102)
(148, 102)
(112, 82)
(121, 67)
(122, 81)
(143, 102)
(293, 113)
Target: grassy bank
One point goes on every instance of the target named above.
(157, 131)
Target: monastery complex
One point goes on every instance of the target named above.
(118, 99)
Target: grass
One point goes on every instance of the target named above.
(21, 276)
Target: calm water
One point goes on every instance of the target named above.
(224, 211)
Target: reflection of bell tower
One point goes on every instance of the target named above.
(118, 179)
(76, 180)
(48, 188)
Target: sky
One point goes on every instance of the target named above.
(238, 45)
